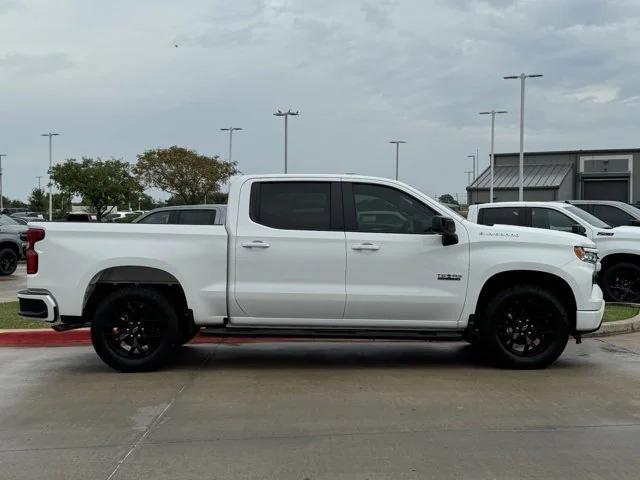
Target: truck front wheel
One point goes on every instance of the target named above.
(621, 282)
(134, 329)
(525, 327)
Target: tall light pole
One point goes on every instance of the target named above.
(50, 135)
(286, 129)
(39, 177)
(522, 78)
(230, 130)
(397, 143)
(469, 173)
(491, 162)
(1, 199)
(473, 156)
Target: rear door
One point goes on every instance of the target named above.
(289, 251)
(398, 272)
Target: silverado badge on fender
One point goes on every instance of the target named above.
(449, 276)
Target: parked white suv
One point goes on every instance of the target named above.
(315, 256)
(619, 247)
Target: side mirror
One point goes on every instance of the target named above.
(579, 229)
(635, 223)
(446, 227)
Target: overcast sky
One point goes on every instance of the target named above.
(107, 76)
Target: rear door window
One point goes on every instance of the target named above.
(292, 205)
(197, 217)
(501, 215)
(158, 218)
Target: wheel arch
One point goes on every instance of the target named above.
(12, 245)
(613, 258)
(549, 281)
(113, 278)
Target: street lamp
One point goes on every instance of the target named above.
(522, 78)
(230, 130)
(491, 162)
(1, 199)
(397, 143)
(473, 156)
(468, 172)
(39, 177)
(50, 135)
(286, 128)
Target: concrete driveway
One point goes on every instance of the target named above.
(321, 411)
(12, 284)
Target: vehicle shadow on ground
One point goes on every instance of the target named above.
(325, 355)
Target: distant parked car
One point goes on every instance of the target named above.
(186, 215)
(616, 214)
(20, 220)
(12, 244)
(80, 217)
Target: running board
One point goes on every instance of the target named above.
(443, 335)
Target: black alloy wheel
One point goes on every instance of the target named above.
(525, 326)
(134, 329)
(621, 282)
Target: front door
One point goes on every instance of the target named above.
(289, 254)
(398, 271)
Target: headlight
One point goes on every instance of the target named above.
(586, 254)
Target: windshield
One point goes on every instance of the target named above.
(587, 217)
(6, 220)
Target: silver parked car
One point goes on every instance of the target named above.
(214, 214)
(12, 244)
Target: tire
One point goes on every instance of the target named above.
(188, 333)
(621, 282)
(525, 327)
(8, 261)
(134, 330)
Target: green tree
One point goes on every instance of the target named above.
(100, 183)
(184, 173)
(38, 200)
(448, 198)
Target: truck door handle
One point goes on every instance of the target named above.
(365, 246)
(255, 244)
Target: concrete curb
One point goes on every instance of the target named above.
(619, 327)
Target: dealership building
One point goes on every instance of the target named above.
(562, 175)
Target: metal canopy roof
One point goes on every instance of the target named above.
(535, 176)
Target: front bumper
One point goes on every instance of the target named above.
(588, 321)
(38, 305)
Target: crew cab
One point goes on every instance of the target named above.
(619, 247)
(327, 256)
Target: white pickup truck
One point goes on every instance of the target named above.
(327, 256)
(618, 247)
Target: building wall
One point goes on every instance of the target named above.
(572, 185)
(511, 195)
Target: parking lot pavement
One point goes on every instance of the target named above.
(321, 411)
(11, 284)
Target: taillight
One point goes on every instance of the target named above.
(33, 235)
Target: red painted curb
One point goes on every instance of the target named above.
(51, 338)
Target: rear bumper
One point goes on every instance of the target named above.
(588, 321)
(38, 305)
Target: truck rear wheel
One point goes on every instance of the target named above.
(621, 282)
(525, 327)
(134, 329)
(8, 261)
